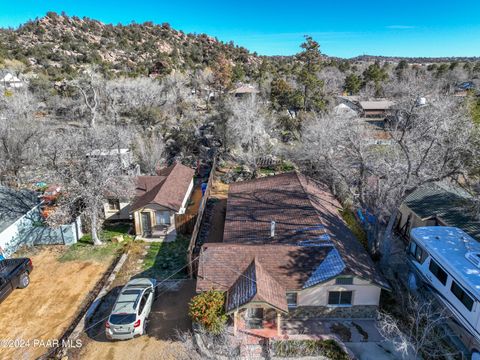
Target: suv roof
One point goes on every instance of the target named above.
(130, 295)
(127, 301)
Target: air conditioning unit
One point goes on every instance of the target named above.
(474, 258)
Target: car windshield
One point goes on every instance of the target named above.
(122, 319)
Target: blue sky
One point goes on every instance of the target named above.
(343, 28)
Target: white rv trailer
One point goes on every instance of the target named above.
(448, 260)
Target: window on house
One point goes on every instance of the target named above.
(344, 280)
(113, 204)
(292, 299)
(340, 298)
(461, 295)
(163, 217)
(439, 273)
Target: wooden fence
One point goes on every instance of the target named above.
(198, 223)
(185, 223)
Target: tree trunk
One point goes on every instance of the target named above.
(386, 246)
(95, 239)
(93, 120)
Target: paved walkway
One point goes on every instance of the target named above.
(373, 350)
(360, 336)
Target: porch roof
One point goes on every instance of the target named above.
(256, 285)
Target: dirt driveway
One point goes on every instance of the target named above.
(169, 315)
(45, 309)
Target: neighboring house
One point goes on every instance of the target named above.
(351, 101)
(244, 90)
(10, 81)
(345, 111)
(21, 223)
(18, 211)
(157, 200)
(438, 204)
(472, 86)
(287, 255)
(375, 108)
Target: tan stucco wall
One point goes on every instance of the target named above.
(123, 214)
(364, 293)
(152, 209)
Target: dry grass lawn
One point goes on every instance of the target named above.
(46, 308)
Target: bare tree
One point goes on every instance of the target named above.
(249, 130)
(19, 135)
(420, 329)
(150, 151)
(89, 87)
(422, 144)
(89, 175)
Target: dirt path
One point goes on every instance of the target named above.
(218, 210)
(45, 309)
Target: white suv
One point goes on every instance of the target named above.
(130, 312)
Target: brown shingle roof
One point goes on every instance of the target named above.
(305, 214)
(256, 284)
(291, 266)
(168, 189)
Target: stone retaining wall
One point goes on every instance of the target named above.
(356, 312)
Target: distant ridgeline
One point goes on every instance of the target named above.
(59, 45)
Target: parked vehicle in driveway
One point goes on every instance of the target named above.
(14, 273)
(128, 318)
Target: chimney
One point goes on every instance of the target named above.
(272, 228)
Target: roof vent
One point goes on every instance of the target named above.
(474, 258)
(272, 229)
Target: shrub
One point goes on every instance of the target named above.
(355, 227)
(298, 348)
(207, 309)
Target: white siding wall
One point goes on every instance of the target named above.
(364, 293)
(185, 199)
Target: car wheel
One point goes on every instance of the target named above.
(144, 327)
(24, 281)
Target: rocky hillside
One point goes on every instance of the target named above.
(60, 45)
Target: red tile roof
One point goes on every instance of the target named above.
(168, 189)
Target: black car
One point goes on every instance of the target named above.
(14, 273)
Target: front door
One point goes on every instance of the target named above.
(254, 318)
(146, 224)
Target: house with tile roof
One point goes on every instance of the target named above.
(375, 108)
(288, 254)
(157, 200)
(438, 204)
